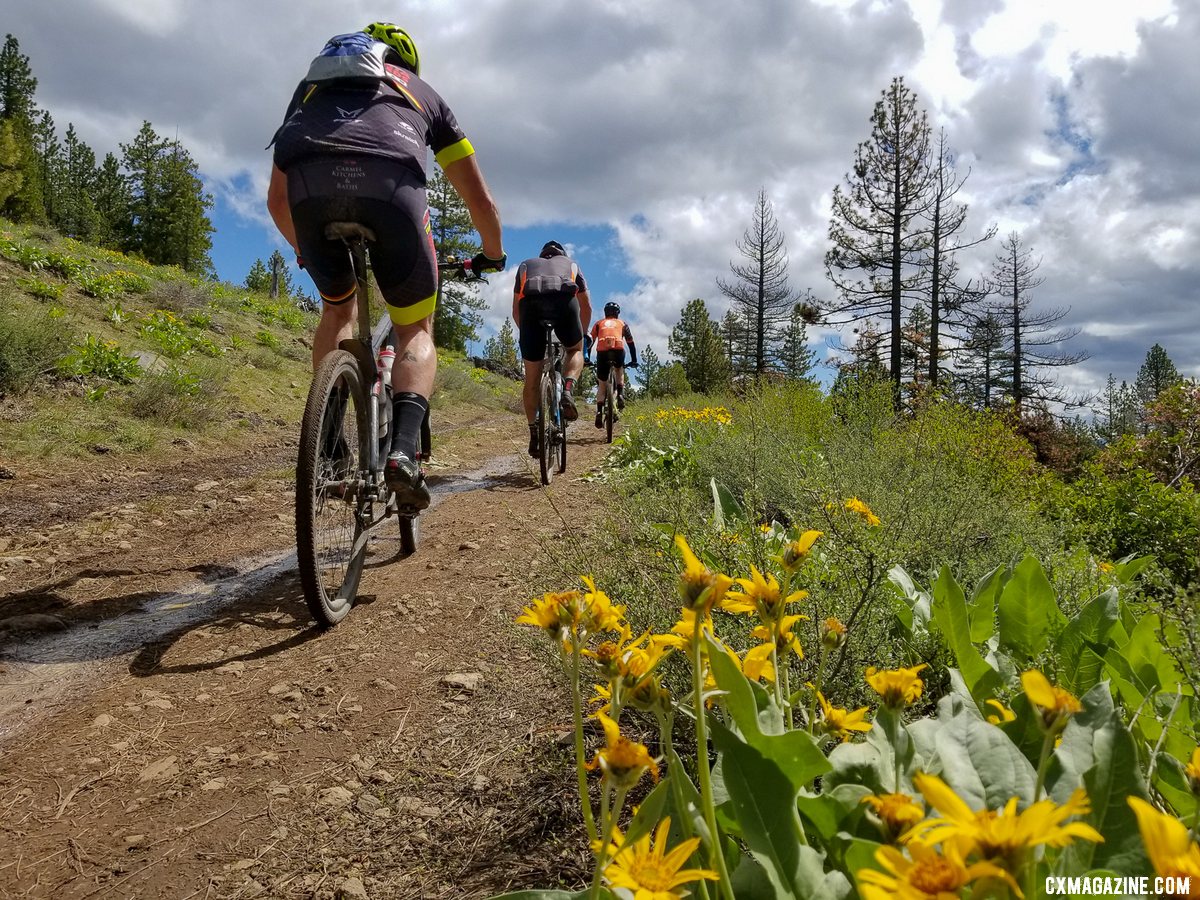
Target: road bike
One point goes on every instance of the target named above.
(551, 426)
(345, 436)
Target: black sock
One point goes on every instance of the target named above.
(408, 412)
(569, 385)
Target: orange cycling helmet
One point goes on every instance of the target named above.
(397, 38)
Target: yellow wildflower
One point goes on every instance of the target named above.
(855, 505)
(621, 760)
(601, 613)
(554, 612)
(1003, 713)
(897, 687)
(1171, 850)
(842, 723)
(1055, 704)
(649, 871)
(779, 632)
(1192, 771)
(1106, 567)
(699, 586)
(760, 594)
(896, 812)
(797, 551)
(929, 875)
(757, 664)
(1000, 834)
(833, 634)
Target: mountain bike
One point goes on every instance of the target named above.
(610, 403)
(345, 436)
(551, 426)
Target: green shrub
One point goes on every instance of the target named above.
(102, 286)
(69, 267)
(174, 336)
(173, 396)
(116, 313)
(27, 256)
(178, 297)
(266, 339)
(29, 348)
(98, 358)
(199, 319)
(42, 290)
(131, 282)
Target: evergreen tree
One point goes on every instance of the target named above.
(11, 177)
(760, 290)
(946, 220)
(865, 365)
(916, 346)
(1119, 412)
(142, 162)
(17, 87)
(111, 199)
(501, 348)
(186, 230)
(259, 277)
(1157, 373)
(795, 359)
(457, 318)
(696, 341)
(735, 337)
(648, 370)
(983, 356)
(76, 213)
(878, 230)
(1033, 338)
(279, 278)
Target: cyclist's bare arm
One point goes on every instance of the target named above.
(278, 207)
(467, 179)
(585, 311)
(516, 309)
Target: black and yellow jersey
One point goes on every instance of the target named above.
(396, 118)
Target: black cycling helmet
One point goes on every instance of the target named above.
(552, 248)
(612, 308)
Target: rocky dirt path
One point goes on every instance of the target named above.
(187, 733)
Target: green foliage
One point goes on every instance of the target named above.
(457, 317)
(98, 358)
(185, 399)
(266, 339)
(696, 341)
(102, 286)
(29, 347)
(29, 257)
(501, 349)
(42, 290)
(175, 337)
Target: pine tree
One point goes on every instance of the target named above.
(877, 229)
(696, 342)
(10, 162)
(735, 337)
(76, 213)
(916, 346)
(17, 87)
(948, 301)
(457, 318)
(1033, 338)
(795, 359)
(112, 201)
(1157, 373)
(501, 348)
(648, 370)
(17, 84)
(51, 169)
(983, 360)
(1119, 413)
(259, 277)
(186, 236)
(760, 291)
(142, 162)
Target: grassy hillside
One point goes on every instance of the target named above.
(103, 353)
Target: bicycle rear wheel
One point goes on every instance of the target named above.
(410, 534)
(330, 494)
(545, 429)
(609, 412)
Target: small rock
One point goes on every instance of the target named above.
(157, 523)
(335, 797)
(203, 698)
(468, 545)
(367, 804)
(167, 767)
(293, 697)
(231, 668)
(463, 681)
(124, 545)
(16, 560)
(384, 684)
(212, 504)
(280, 687)
(243, 865)
(215, 784)
(480, 783)
(429, 812)
(133, 841)
(351, 889)
(279, 720)
(206, 486)
(381, 776)
(160, 703)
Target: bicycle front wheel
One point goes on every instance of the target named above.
(330, 489)
(609, 413)
(545, 429)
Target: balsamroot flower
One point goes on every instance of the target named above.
(622, 761)
(833, 634)
(1192, 771)
(855, 505)
(699, 587)
(1055, 705)
(555, 612)
(797, 551)
(756, 665)
(649, 871)
(929, 875)
(1002, 713)
(1171, 850)
(897, 687)
(779, 633)
(896, 812)
(600, 613)
(1000, 834)
(841, 723)
(760, 594)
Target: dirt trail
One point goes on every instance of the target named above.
(192, 734)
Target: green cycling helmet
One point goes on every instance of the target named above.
(397, 38)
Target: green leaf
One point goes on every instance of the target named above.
(981, 764)
(725, 505)
(951, 619)
(828, 811)
(1028, 611)
(910, 604)
(1080, 646)
(1152, 666)
(983, 604)
(859, 856)
(650, 812)
(765, 803)
(1130, 567)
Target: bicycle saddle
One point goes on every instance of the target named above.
(348, 231)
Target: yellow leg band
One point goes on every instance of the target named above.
(406, 315)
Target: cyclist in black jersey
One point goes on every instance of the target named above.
(550, 286)
(353, 146)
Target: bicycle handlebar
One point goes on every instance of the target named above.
(459, 270)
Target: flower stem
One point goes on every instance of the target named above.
(1043, 765)
(585, 799)
(715, 856)
(817, 686)
(606, 831)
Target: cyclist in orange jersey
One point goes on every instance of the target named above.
(609, 337)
